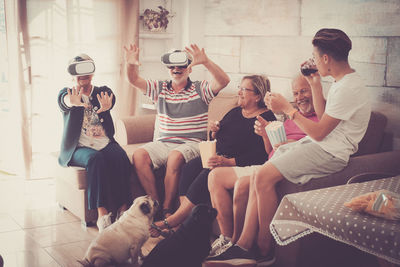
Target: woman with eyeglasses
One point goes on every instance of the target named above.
(237, 145)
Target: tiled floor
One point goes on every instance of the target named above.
(34, 231)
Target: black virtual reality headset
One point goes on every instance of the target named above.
(176, 58)
(81, 67)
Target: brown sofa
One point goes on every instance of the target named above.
(374, 155)
(132, 132)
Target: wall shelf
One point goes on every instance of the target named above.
(156, 35)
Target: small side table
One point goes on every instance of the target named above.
(323, 211)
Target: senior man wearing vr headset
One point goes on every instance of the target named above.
(88, 141)
(182, 107)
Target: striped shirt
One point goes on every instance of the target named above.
(183, 116)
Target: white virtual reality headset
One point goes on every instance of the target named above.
(176, 58)
(81, 65)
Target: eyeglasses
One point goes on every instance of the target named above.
(179, 67)
(245, 89)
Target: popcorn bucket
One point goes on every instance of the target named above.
(207, 150)
(276, 132)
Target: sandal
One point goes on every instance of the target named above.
(163, 232)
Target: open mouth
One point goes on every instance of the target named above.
(177, 72)
(303, 102)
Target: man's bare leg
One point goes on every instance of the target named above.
(144, 170)
(174, 166)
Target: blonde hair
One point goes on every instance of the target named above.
(262, 85)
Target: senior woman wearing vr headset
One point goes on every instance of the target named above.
(88, 141)
(182, 107)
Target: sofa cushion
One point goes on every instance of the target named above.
(75, 176)
(220, 105)
(130, 149)
(373, 138)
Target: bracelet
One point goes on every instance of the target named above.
(291, 113)
(166, 224)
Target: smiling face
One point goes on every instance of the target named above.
(248, 96)
(179, 75)
(302, 95)
(84, 81)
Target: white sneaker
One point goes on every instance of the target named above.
(103, 222)
(220, 245)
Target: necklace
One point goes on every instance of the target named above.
(251, 114)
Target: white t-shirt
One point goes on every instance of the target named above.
(348, 100)
(92, 134)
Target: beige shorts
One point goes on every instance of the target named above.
(159, 151)
(245, 171)
(303, 160)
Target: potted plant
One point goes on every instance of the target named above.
(155, 20)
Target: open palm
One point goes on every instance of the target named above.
(132, 54)
(105, 101)
(199, 55)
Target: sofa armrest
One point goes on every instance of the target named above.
(134, 129)
(386, 162)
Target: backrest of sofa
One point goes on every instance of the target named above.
(220, 105)
(373, 138)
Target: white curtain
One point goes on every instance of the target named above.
(58, 30)
(16, 139)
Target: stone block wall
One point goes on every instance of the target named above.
(273, 37)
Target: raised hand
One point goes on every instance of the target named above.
(259, 126)
(199, 55)
(75, 97)
(105, 101)
(277, 103)
(132, 54)
(313, 78)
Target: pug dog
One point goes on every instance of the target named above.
(123, 239)
(189, 245)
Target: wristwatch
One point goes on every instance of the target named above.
(291, 113)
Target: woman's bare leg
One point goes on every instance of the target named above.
(220, 182)
(240, 198)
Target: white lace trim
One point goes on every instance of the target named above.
(310, 229)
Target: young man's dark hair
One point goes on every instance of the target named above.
(333, 42)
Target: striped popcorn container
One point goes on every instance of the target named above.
(276, 132)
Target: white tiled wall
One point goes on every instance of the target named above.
(273, 37)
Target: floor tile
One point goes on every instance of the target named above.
(7, 223)
(42, 217)
(14, 241)
(61, 234)
(68, 254)
(29, 258)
